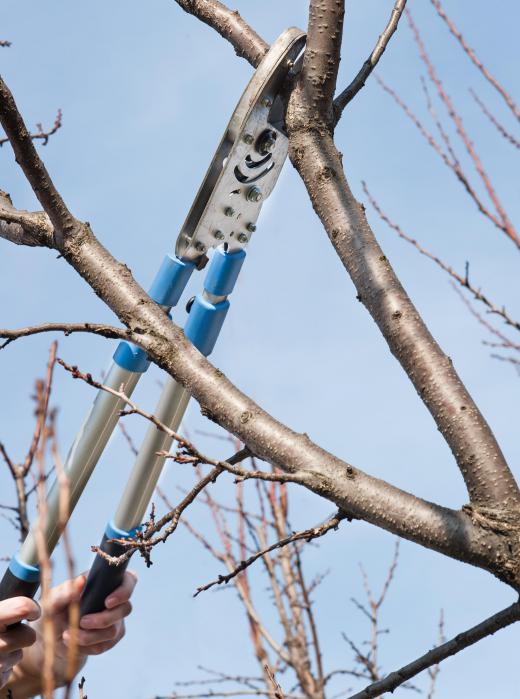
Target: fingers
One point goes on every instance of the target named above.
(103, 620)
(97, 641)
(20, 637)
(123, 592)
(61, 596)
(7, 662)
(17, 609)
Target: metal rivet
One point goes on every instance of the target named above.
(251, 227)
(242, 238)
(200, 247)
(248, 138)
(229, 211)
(219, 235)
(254, 194)
(267, 102)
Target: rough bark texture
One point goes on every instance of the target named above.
(485, 534)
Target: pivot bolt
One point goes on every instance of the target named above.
(248, 138)
(242, 238)
(267, 102)
(229, 211)
(251, 227)
(266, 142)
(219, 235)
(254, 195)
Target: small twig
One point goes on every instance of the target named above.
(4, 43)
(368, 66)
(278, 694)
(463, 640)
(463, 281)
(40, 134)
(475, 59)
(81, 686)
(305, 535)
(67, 328)
(500, 128)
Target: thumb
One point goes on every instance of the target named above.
(61, 596)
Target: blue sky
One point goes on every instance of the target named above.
(146, 92)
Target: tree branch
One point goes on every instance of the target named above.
(454, 533)
(108, 331)
(463, 281)
(41, 134)
(230, 25)
(475, 59)
(306, 535)
(368, 66)
(487, 476)
(24, 227)
(495, 623)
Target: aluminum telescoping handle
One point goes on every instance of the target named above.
(205, 320)
(22, 578)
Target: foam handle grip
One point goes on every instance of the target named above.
(103, 578)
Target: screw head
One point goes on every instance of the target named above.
(242, 238)
(267, 102)
(248, 138)
(254, 195)
(266, 142)
(219, 235)
(200, 247)
(229, 211)
(251, 227)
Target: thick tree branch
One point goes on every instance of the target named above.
(487, 476)
(321, 59)
(101, 329)
(368, 66)
(230, 25)
(463, 640)
(457, 534)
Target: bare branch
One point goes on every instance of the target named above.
(506, 226)
(500, 128)
(475, 59)
(101, 329)
(368, 66)
(230, 25)
(463, 281)
(24, 227)
(33, 167)
(41, 134)
(4, 43)
(463, 640)
(306, 535)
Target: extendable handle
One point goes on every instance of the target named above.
(205, 320)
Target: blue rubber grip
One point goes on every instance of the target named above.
(204, 323)
(223, 272)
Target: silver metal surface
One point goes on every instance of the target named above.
(148, 466)
(222, 203)
(83, 456)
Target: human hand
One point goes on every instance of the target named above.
(12, 640)
(96, 634)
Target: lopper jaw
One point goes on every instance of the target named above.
(247, 163)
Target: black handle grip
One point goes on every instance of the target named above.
(11, 586)
(103, 578)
